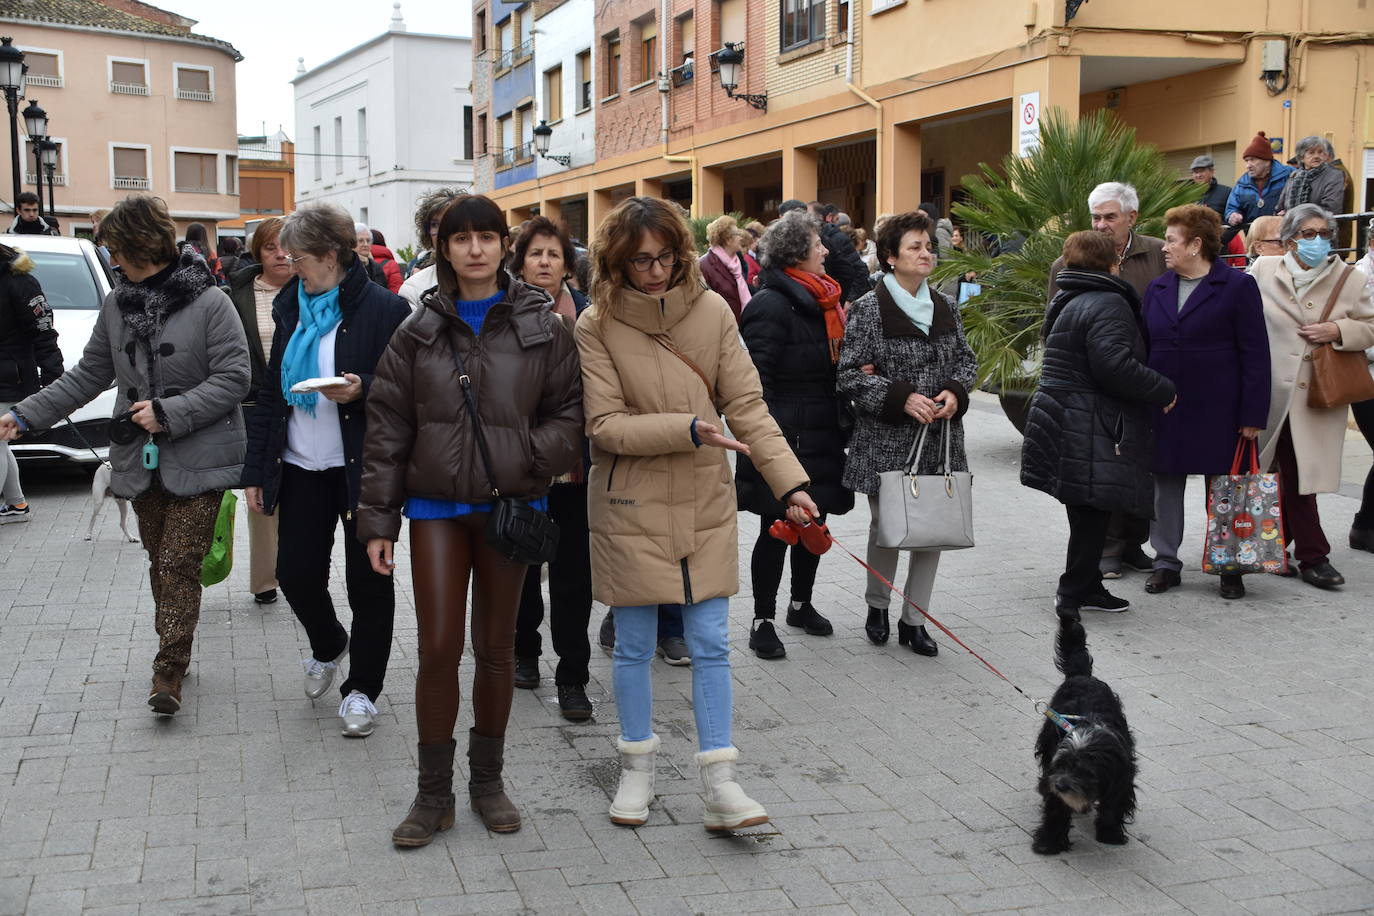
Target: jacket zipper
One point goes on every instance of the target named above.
(610, 478)
(686, 583)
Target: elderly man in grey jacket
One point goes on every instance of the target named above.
(171, 342)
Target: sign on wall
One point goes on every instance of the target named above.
(1029, 113)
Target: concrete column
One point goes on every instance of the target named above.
(1056, 79)
(598, 205)
(901, 164)
(799, 168)
(708, 197)
(551, 209)
(648, 187)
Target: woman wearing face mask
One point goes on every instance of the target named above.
(1306, 441)
(661, 360)
(543, 258)
(422, 461)
(253, 288)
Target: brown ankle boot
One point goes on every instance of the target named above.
(432, 810)
(165, 696)
(489, 800)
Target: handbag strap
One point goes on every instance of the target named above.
(918, 447)
(466, 383)
(1241, 446)
(1335, 294)
(666, 343)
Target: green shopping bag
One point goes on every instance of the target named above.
(220, 560)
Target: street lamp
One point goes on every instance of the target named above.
(730, 59)
(50, 167)
(12, 81)
(36, 121)
(542, 134)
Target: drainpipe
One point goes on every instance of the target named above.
(877, 106)
(665, 88)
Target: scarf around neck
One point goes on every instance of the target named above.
(826, 292)
(319, 314)
(732, 264)
(920, 308)
(145, 305)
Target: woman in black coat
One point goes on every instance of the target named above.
(1088, 440)
(793, 329)
(305, 453)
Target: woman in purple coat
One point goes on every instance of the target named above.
(1205, 324)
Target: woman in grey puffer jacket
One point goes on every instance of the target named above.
(171, 342)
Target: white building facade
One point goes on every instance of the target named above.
(564, 39)
(383, 124)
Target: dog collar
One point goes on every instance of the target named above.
(1063, 721)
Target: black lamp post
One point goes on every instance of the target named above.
(36, 121)
(50, 168)
(542, 134)
(731, 60)
(12, 82)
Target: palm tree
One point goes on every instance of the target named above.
(1028, 208)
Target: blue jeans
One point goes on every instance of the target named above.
(706, 629)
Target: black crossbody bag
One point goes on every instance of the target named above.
(515, 529)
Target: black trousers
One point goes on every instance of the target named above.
(1087, 533)
(570, 591)
(310, 507)
(765, 570)
(1364, 419)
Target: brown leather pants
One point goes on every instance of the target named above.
(444, 554)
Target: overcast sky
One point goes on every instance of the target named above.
(271, 34)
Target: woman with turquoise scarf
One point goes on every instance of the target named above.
(906, 364)
(305, 452)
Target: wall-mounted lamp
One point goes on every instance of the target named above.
(542, 134)
(730, 59)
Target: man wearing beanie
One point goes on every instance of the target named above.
(1260, 190)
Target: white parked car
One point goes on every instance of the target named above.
(75, 281)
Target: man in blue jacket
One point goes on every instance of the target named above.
(1259, 192)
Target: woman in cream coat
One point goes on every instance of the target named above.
(1306, 441)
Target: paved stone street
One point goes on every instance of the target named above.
(895, 783)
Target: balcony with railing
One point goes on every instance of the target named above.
(507, 59)
(195, 95)
(128, 88)
(515, 154)
(43, 79)
(126, 183)
(56, 178)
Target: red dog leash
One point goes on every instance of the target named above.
(817, 539)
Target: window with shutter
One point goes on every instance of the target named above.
(128, 77)
(130, 169)
(195, 172)
(193, 84)
(44, 69)
(553, 94)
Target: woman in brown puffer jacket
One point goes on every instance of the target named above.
(661, 361)
(421, 460)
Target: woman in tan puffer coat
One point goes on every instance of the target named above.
(661, 360)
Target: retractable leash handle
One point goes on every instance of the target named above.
(814, 536)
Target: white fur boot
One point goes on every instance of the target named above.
(727, 807)
(631, 803)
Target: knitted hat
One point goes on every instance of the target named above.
(1259, 148)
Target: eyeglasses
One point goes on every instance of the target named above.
(293, 260)
(644, 263)
(1310, 234)
(1270, 241)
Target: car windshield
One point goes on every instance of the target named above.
(66, 279)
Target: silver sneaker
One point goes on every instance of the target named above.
(319, 675)
(357, 713)
(673, 650)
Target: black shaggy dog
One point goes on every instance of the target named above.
(1091, 764)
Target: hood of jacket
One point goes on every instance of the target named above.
(655, 314)
(526, 307)
(1073, 282)
(14, 261)
(380, 252)
(245, 277)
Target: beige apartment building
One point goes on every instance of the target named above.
(136, 102)
(878, 105)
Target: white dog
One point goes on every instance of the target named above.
(100, 491)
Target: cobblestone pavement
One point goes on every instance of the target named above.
(895, 783)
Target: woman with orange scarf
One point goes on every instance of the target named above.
(793, 328)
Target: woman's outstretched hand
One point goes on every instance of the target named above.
(710, 434)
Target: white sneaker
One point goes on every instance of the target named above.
(357, 713)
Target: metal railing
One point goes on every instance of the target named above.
(128, 88)
(506, 59)
(511, 155)
(195, 95)
(131, 184)
(43, 79)
(57, 178)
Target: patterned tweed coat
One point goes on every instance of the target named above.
(907, 360)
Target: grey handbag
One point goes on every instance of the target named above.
(926, 511)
